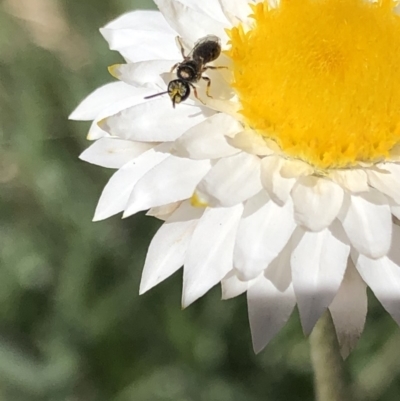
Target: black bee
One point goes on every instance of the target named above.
(191, 69)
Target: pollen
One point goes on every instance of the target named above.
(321, 79)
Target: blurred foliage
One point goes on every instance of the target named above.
(72, 327)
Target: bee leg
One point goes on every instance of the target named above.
(211, 67)
(208, 80)
(173, 67)
(179, 40)
(195, 93)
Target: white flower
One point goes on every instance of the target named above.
(285, 184)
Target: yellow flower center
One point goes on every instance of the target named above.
(321, 78)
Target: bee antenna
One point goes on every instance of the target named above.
(155, 95)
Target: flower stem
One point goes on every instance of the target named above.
(329, 380)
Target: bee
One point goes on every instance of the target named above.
(191, 69)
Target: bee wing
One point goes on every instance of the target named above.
(208, 38)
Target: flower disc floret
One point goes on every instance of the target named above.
(319, 77)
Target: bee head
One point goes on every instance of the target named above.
(178, 91)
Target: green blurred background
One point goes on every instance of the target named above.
(72, 326)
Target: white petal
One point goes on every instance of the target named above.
(232, 286)
(395, 209)
(383, 276)
(136, 96)
(172, 180)
(207, 139)
(278, 187)
(318, 262)
(231, 180)
(189, 23)
(367, 220)
(100, 99)
(146, 20)
(114, 152)
(295, 168)
(250, 142)
(264, 230)
(236, 10)
(354, 180)
(349, 309)
(116, 193)
(155, 121)
(210, 254)
(393, 168)
(387, 183)
(210, 7)
(141, 45)
(317, 202)
(168, 247)
(95, 132)
(163, 212)
(279, 271)
(142, 73)
(142, 35)
(269, 309)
